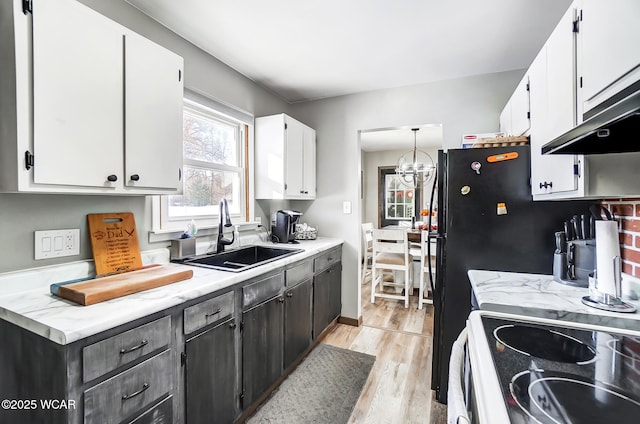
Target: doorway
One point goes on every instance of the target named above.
(396, 201)
(380, 150)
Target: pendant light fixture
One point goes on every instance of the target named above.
(416, 166)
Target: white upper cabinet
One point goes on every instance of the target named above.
(560, 77)
(293, 154)
(309, 160)
(153, 115)
(552, 113)
(520, 110)
(556, 109)
(515, 117)
(608, 49)
(285, 158)
(104, 112)
(77, 95)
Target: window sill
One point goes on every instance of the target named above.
(168, 235)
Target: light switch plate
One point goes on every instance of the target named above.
(56, 243)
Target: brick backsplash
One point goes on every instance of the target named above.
(627, 212)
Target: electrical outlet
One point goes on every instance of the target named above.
(56, 243)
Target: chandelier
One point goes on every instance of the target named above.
(416, 166)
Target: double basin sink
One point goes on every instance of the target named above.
(241, 259)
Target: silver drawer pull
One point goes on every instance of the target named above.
(142, 344)
(145, 386)
(213, 313)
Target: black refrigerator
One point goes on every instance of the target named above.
(487, 220)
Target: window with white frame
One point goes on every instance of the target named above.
(213, 168)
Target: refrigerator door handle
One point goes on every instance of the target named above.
(429, 237)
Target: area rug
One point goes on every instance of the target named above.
(323, 389)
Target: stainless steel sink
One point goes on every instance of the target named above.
(241, 259)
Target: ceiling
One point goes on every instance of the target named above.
(307, 50)
(376, 140)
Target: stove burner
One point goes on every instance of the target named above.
(617, 345)
(558, 398)
(544, 344)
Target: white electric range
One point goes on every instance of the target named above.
(515, 369)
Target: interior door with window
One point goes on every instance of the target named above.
(396, 201)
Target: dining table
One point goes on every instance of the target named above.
(414, 236)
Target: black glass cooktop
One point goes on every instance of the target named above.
(552, 375)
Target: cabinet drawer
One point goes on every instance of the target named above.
(128, 392)
(114, 352)
(327, 259)
(208, 312)
(261, 290)
(161, 413)
(299, 273)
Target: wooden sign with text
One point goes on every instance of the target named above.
(114, 242)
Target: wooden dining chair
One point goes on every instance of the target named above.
(391, 252)
(426, 256)
(367, 248)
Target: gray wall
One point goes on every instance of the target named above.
(462, 106)
(21, 214)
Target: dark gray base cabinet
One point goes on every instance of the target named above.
(186, 364)
(210, 368)
(262, 336)
(297, 322)
(326, 297)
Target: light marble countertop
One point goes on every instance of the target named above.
(25, 299)
(538, 295)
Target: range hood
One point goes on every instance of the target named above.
(613, 127)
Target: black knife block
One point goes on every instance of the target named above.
(584, 263)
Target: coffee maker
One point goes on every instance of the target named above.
(283, 229)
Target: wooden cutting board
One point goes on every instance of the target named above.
(114, 242)
(100, 289)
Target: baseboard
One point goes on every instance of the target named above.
(350, 321)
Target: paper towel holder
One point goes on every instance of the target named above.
(609, 301)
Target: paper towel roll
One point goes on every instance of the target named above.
(607, 248)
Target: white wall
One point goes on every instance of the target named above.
(371, 162)
(462, 106)
(21, 214)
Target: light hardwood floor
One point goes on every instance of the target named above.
(398, 388)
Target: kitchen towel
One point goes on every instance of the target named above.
(607, 248)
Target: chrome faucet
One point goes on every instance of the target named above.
(222, 241)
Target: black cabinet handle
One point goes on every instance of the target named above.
(142, 344)
(135, 177)
(145, 386)
(546, 184)
(112, 178)
(213, 313)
